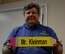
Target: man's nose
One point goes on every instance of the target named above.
(31, 14)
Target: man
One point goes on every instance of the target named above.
(32, 27)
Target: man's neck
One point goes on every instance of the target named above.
(33, 25)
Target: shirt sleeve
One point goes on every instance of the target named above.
(53, 35)
(12, 34)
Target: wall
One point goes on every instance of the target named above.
(9, 1)
(56, 16)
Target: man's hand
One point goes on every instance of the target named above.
(7, 49)
(57, 48)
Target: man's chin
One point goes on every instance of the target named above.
(31, 24)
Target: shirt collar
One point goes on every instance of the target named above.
(27, 27)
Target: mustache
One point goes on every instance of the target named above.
(30, 17)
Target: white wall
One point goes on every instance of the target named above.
(13, 19)
(56, 15)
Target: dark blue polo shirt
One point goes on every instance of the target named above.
(38, 30)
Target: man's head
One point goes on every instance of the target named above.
(32, 13)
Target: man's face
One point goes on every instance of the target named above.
(31, 16)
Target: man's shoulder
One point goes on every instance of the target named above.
(46, 27)
(50, 31)
(18, 27)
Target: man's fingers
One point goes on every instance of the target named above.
(9, 45)
(56, 44)
(59, 42)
